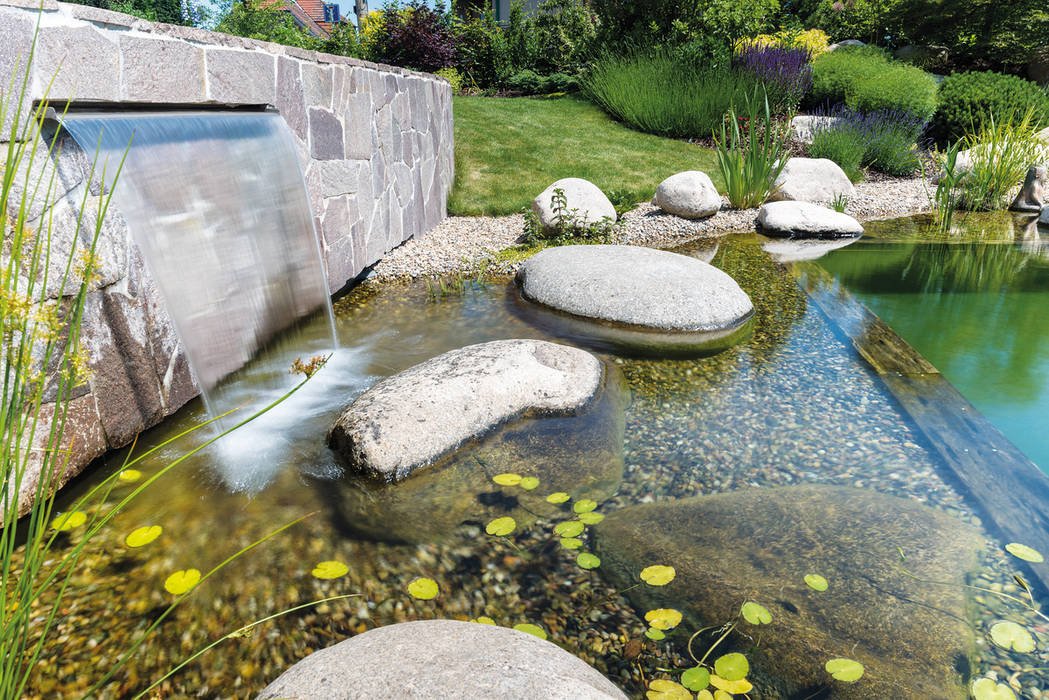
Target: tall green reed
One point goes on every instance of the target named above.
(751, 158)
(1001, 152)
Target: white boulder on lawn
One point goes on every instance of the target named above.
(811, 180)
(690, 195)
(805, 220)
(585, 202)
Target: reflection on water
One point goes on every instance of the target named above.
(790, 405)
(979, 312)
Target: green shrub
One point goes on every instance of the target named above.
(654, 92)
(482, 54)
(834, 73)
(672, 22)
(846, 147)
(527, 81)
(453, 77)
(566, 30)
(968, 100)
(900, 87)
(560, 82)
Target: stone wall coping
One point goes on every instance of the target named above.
(94, 15)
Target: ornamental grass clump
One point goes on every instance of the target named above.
(1001, 152)
(751, 152)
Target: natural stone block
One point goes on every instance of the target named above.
(16, 35)
(241, 77)
(317, 85)
(157, 70)
(325, 135)
(89, 62)
(357, 127)
(289, 100)
(340, 177)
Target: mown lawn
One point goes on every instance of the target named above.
(508, 150)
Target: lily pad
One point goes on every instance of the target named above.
(529, 482)
(734, 687)
(559, 497)
(696, 678)
(130, 475)
(584, 506)
(484, 620)
(1024, 552)
(500, 527)
(655, 635)
(591, 518)
(507, 479)
(423, 589)
(330, 569)
(657, 575)
(731, 667)
(663, 618)
(844, 669)
(67, 521)
(705, 695)
(663, 689)
(989, 689)
(1009, 635)
(571, 542)
(182, 581)
(588, 561)
(142, 536)
(756, 614)
(816, 582)
(529, 628)
(568, 528)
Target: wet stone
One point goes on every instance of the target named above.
(759, 543)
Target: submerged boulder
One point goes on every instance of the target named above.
(584, 202)
(413, 418)
(811, 180)
(442, 659)
(805, 220)
(690, 195)
(677, 300)
(759, 544)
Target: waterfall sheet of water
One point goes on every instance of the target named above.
(217, 204)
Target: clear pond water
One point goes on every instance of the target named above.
(791, 405)
(977, 308)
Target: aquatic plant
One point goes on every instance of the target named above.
(949, 189)
(752, 157)
(1001, 151)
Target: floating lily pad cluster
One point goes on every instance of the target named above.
(568, 530)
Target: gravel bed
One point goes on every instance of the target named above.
(462, 244)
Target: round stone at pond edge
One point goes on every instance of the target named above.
(641, 287)
(442, 659)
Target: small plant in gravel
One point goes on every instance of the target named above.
(569, 226)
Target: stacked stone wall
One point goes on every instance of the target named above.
(375, 144)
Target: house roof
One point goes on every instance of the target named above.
(308, 13)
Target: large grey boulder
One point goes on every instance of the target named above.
(585, 204)
(758, 544)
(811, 180)
(638, 297)
(805, 220)
(442, 660)
(416, 416)
(690, 195)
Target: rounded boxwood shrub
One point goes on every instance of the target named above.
(968, 99)
(899, 87)
(526, 81)
(834, 73)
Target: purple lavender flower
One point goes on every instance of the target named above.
(786, 73)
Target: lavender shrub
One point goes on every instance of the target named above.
(786, 73)
(885, 140)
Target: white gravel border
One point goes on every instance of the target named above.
(463, 243)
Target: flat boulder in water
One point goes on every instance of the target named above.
(442, 659)
(636, 289)
(759, 544)
(805, 220)
(415, 417)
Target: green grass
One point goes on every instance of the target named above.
(508, 150)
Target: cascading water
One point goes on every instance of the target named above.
(217, 204)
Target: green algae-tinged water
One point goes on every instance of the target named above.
(979, 311)
(791, 405)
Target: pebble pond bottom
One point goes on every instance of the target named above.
(746, 470)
